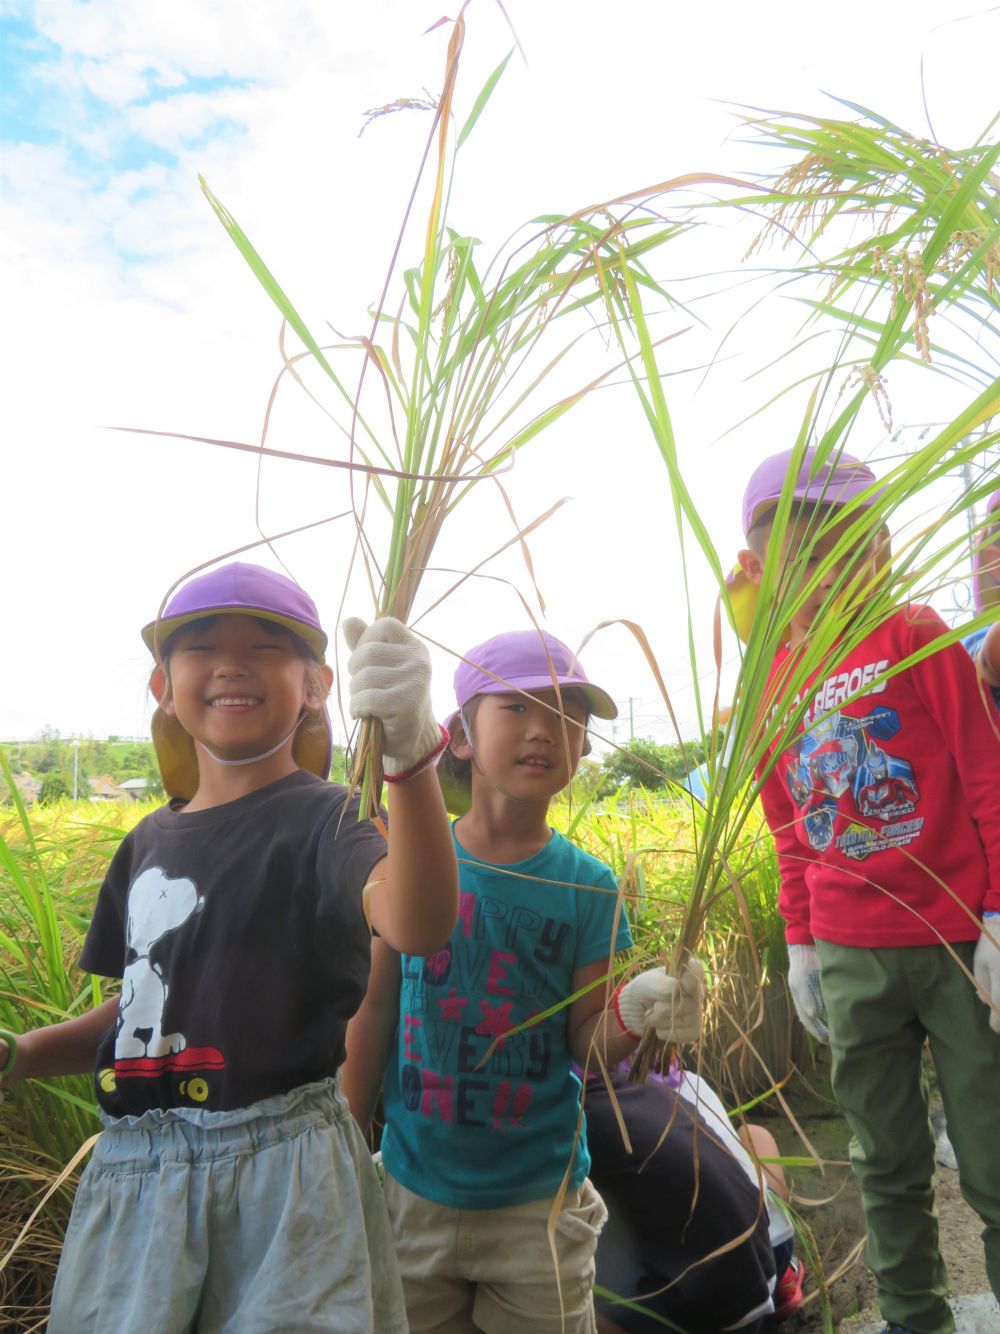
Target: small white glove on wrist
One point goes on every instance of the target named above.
(986, 967)
(390, 675)
(671, 1006)
(803, 983)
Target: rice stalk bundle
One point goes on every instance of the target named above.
(452, 386)
(935, 200)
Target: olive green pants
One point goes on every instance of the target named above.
(882, 1004)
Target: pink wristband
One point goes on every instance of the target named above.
(420, 765)
(637, 1037)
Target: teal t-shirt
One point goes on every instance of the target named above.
(473, 1130)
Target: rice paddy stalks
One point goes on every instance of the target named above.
(896, 184)
(451, 387)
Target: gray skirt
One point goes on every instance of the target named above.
(261, 1219)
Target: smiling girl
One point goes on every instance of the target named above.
(230, 1190)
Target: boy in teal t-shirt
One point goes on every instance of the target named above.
(484, 1146)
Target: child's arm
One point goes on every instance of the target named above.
(592, 1019)
(793, 904)
(69, 1048)
(370, 1035)
(653, 999)
(413, 892)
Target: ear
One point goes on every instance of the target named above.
(159, 686)
(459, 744)
(751, 565)
(315, 692)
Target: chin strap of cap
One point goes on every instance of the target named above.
(252, 759)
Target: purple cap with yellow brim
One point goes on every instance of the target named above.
(832, 484)
(248, 590)
(985, 574)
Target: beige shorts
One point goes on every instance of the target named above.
(491, 1270)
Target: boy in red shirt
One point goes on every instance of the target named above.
(887, 827)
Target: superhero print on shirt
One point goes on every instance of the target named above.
(840, 767)
(157, 905)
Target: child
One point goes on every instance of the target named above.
(984, 644)
(888, 834)
(484, 1148)
(695, 1234)
(231, 1190)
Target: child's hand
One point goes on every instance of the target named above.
(390, 673)
(803, 983)
(986, 967)
(671, 1006)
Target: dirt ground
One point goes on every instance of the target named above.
(836, 1220)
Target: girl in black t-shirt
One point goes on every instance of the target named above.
(231, 1189)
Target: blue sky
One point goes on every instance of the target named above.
(46, 101)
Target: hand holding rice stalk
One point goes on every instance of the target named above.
(457, 371)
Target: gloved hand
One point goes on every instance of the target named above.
(671, 1006)
(390, 673)
(986, 966)
(803, 983)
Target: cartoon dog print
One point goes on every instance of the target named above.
(156, 905)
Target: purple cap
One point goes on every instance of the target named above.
(827, 484)
(527, 660)
(240, 588)
(986, 581)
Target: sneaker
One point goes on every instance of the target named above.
(788, 1291)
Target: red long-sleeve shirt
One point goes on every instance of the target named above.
(889, 801)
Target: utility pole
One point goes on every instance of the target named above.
(631, 719)
(76, 769)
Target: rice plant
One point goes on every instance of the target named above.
(944, 205)
(51, 864)
(445, 393)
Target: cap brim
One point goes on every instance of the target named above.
(156, 633)
(741, 604)
(312, 750)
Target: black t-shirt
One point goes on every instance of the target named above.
(240, 938)
(677, 1197)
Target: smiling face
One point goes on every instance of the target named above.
(238, 684)
(518, 747)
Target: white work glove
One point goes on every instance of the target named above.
(671, 1006)
(390, 673)
(986, 967)
(803, 983)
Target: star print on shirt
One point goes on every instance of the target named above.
(496, 1019)
(452, 1005)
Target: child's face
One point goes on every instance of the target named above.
(237, 685)
(518, 745)
(859, 567)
